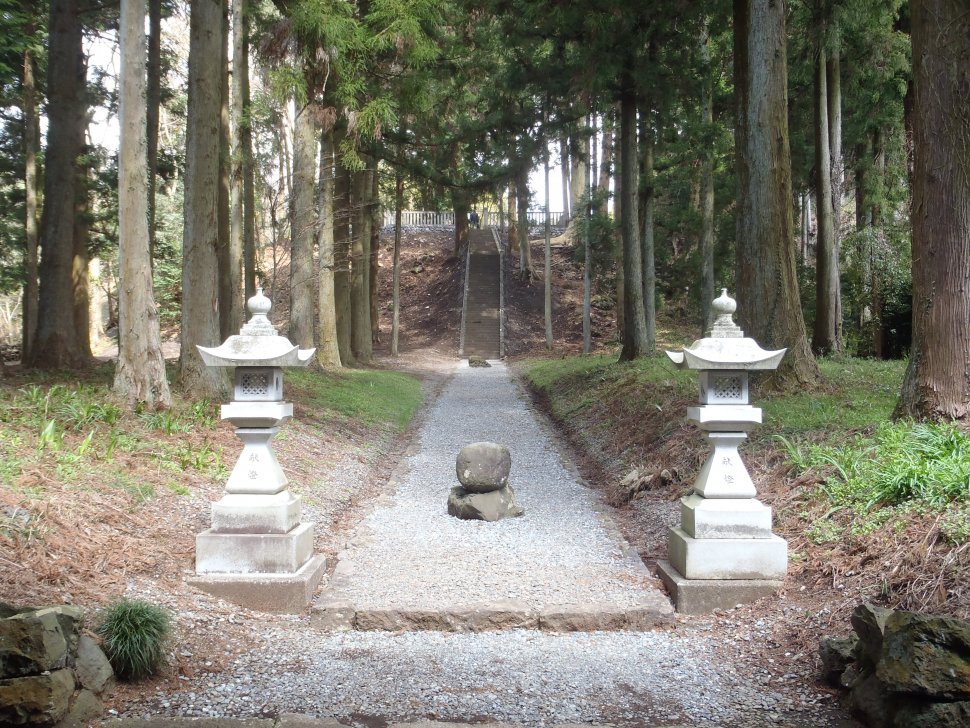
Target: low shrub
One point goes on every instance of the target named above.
(134, 633)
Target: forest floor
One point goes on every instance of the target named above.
(85, 519)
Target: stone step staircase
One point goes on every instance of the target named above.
(482, 315)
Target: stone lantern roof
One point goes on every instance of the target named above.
(725, 346)
(257, 344)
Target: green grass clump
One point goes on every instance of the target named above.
(899, 462)
(858, 393)
(371, 395)
(575, 385)
(134, 633)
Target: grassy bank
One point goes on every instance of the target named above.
(92, 493)
(872, 508)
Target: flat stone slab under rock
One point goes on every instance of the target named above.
(563, 566)
(492, 506)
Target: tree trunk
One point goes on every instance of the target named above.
(578, 168)
(937, 381)
(547, 249)
(236, 205)
(341, 248)
(376, 223)
(618, 278)
(140, 372)
(522, 198)
(243, 103)
(153, 100)
(707, 183)
(328, 352)
(606, 164)
(59, 344)
(360, 334)
(513, 229)
(459, 205)
(769, 307)
(645, 192)
(200, 303)
(880, 333)
(587, 253)
(634, 321)
(834, 98)
(31, 149)
(80, 273)
(806, 224)
(396, 265)
(565, 166)
(827, 336)
(302, 227)
(229, 256)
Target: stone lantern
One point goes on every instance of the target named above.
(258, 553)
(724, 552)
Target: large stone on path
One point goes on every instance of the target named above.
(483, 467)
(926, 655)
(493, 506)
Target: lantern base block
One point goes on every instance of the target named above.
(724, 517)
(287, 593)
(247, 513)
(700, 596)
(253, 553)
(727, 558)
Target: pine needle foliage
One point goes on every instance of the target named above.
(134, 634)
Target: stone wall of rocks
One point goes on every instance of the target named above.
(902, 669)
(51, 674)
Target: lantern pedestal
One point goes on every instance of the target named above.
(258, 553)
(724, 552)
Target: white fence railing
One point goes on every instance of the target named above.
(488, 218)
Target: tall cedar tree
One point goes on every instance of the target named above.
(937, 381)
(60, 342)
(200, 301)
(767, 289)
(303, 290)
(140, 372)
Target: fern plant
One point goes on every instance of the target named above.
(134, 633)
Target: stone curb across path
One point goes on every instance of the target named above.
(292, 720)
(561, 567)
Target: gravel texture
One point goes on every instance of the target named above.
(230, 662)
(410, 554)
(523, 676)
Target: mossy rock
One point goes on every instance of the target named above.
(869, 622)
(926, 655)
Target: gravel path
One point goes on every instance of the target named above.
(564, 553)
(691, 672)
(523, 677)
